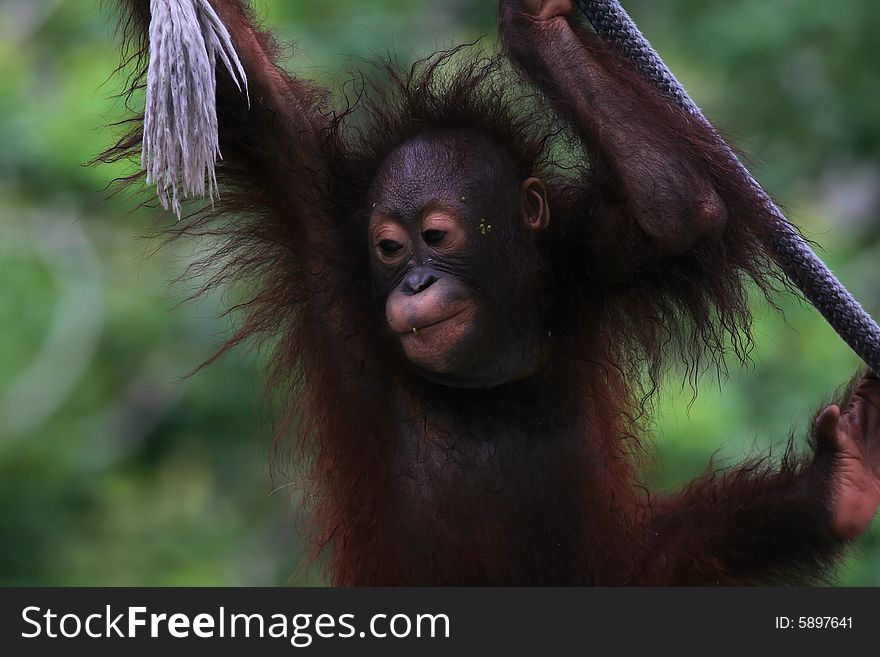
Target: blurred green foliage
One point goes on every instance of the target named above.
(116, 468)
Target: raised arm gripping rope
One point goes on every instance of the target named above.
(793, 255)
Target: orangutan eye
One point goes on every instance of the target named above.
(433, 236)
(389, 247)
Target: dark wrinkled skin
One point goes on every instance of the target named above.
(471, 330)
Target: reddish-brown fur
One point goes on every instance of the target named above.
(547, 494)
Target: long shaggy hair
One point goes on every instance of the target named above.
(296, 236)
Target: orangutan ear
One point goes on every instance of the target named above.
(534, 206)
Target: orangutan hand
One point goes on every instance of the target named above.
(853, 435)
(541, 10)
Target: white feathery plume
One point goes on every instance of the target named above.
(181, 142)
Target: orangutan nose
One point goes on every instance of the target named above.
(418, 281)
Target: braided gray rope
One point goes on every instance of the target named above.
(791, 252)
